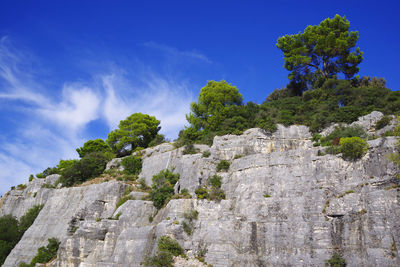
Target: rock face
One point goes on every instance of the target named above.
(285, 206)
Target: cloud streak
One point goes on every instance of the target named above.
(178, 53)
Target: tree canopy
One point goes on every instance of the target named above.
(321, 52)
(214, 102)
(97, 145)
(137, 130)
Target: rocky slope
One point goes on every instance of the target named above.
(285, 206)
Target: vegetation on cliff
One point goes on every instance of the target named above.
(12, 230)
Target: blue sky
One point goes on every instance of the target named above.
(71, 70)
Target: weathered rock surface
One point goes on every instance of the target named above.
(285, 206)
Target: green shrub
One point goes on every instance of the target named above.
(31, 177)
(9, 236)
(167, 244)
(190, 149)
(223, 165)
(163, 187)
(30, 216)
(206, 154)
(132, 164)
(335, 261)
(11, 230)
(202, 193)
(118, 215)
(215, 181)
(385, 120)
(44, 254)
(21, 186)
(48, 171)
(161, 259)
(217, 194)
(87, 168)
(124, 199)
(143, 185)
(268, 125)
(353, 147)
(183, 194)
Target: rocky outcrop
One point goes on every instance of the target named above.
(285, 206)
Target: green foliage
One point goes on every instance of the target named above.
(11, 230)
(27, 220)
(48, 186)
(321, 52)
(385, 120)
(87, 168)
(213, 192)
(159, 139)
(21, 186)
(161, 259)
(44, 254)
(267, 124)
(190, 149)
(167, 244)
(96, 145)
(31, 177)
(132, 164)
(137, 130)
(223, 165)
(206, 154)
(65, 164)
(202, 193)
(124, 199)
(167, 248)
(163, 187)
(9, 236)
(48, 171)
(218, 111)
(216, 194)
(335, 261)
(339, 132)
(353, 147)
(215, 181)
(191, 215)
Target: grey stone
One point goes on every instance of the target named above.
(284, 206)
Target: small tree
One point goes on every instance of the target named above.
(138, 130)
(353, 147)
(97, 145)
(163, 187)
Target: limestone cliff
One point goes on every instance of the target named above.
(285, 206)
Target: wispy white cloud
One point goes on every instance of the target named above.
(175, 52)
(167, 100)
(53, 127)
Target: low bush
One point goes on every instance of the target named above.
(217, 194)
(206, 154)
(215, 181)
(11, 230)
(385, 120)
(335, 261)
(44, 254)
(124, 199)
(167, 244)
(132, 164)
(190, 149)
(353, 147)
(223, 165)
(87, 168)
(163, 187)
(202, 193)
(167, 249)
(30, 216)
